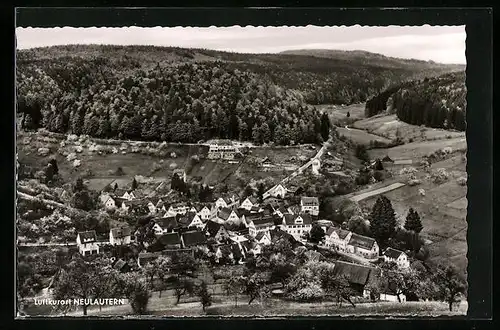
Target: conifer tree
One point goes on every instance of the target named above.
(413, 222)
(383, 220)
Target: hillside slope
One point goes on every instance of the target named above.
(174, 94)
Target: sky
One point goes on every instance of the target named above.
(443, 44)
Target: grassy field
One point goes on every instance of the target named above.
(360, 136)
(417, 150)
(388, 125)
(338, 114)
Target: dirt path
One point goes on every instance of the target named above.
(301, 169)
(367, 194)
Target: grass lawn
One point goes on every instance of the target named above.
(360, 136)
(338, 114)
(460, 204)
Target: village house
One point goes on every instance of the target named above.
(121, 265)
(216, 230)
(278, 191)
(170, 241)
(180, 173)
(165, 225)
(222, 149)
(297, 224)
(309, 205)
(147, 257)
(107, 201)
(337, 238)
(363, 246)
(129, 195)
(398, 257)
(251, 248)
(178, 208)
(238, 238)
(227, 215)
(260, 224)
(202, 211)
(263, 238)
(87, 243)
(193, 238)
(120, 236)
(281, 211)
(249, 202)
(189, 220)
(226, 202)
(360, 277)
(266, 162)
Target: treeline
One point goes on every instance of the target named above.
(437, 102)
(186, 102)
(341, 78)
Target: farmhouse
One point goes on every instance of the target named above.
(227, 215)
(260, 224)
(263, 238)
(119, 236)
(363, 246)
(297, 224)
(399, 257)
(337, 238)
(87, 243)
(359, 277)
(309, 205)
(193, 238)
(202, 211)
(222, 149)
(278, 191)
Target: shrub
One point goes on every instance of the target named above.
(119, 171)
(440, 176)
(462, 181)
(361, 153)
(379, 175)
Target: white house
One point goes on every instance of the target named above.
(260, 224)
(309, 205)
(128, 195)
(202, 211)
(215, 230)
(222, 149)
(174, 209)
(227, 215)
(297, 224)
(165, 225)
(399, 257)
(222, 202)
(191, 219)
(249, 202)
(337, 238)
(119, 236)
(87, 243)
(315, 166)
(278, 191)
(363, 246)
(152, 208)
(263, 238)
(107, 201)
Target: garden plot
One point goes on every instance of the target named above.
(360, 136)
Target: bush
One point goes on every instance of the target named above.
(119, 171)
(462, 181)
(361, 153)
(440, 176)
(311, 292)
(379, 175)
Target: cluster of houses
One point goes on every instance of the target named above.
(223, 149)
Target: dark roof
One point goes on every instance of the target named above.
(169, 239)
(290, 218)
(247, 245)
(212, 228)
(255, 209)
(224, 213)
(356, 274)
(243, 212)
(120, 264)
(309, 200)
(167, 223)
(192, 238)
(392, 253)
(88, 236)
(236, 250)
(265, 220)
(176, 205)
(340, 232)
(260, 235)
(186, 219)
(361, 241)
(121, 232)
(252, 200)
(147, 256)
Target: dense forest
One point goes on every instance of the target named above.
(438, 102)
(185, 95)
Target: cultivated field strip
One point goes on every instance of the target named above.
(376, 192)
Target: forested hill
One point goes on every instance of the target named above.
(174, 94)
(438, 102)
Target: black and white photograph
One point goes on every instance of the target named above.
(257, 171)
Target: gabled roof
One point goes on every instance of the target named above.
(260, 235)
(290, 218)
(224, 213)
(88, 236)
(361, 241)
(356, 274)
(169, 239)
(265, 221)
(255, 209)
(340, 232)
(309, 200)
(252, 200)
(192, 238)
(236, 250)
(119, 264)
(187, 218)
(121, 232)
(212, 228)
(392, 253)
(177, 205)
(167, 223)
